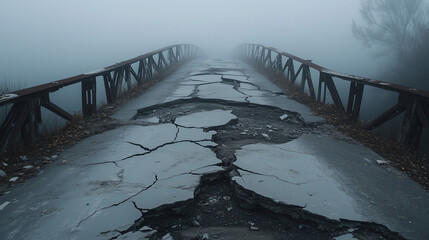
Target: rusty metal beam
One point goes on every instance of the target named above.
(348, 77)
(108, 85)
(30, 128)
(13, 123)
(57, 110)
(23, 94)
(355, 99)
(135, 75)
(327, 79)
(128, 77)
(25, 116)
(414, 102)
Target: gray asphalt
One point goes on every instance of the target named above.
(97, 188)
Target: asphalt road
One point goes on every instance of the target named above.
(216, 151)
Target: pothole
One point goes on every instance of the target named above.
(221, 208)
(254, 123)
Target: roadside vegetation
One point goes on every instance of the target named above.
(398, 29)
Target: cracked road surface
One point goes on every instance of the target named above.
(216, 151)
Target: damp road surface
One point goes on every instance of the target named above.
(216, 151)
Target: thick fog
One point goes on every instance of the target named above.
(42, 41)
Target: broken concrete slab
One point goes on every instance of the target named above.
(374, 190)
(256, 93)
(207, 143)
(137, 235)
(105, 221)
(248, 86)
(285, 103)
(182, 91)
(206, 119)
(154, 119)
(183, 156)
(52, 206)
(220, 91)
(207, 78)
(230, 72)
(241, 79)
(347, 236)
(216, 206)
(195, 134)
(97, 197)
(119, 143)
(266, 168)
(175, 181)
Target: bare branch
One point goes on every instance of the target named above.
(392, 24)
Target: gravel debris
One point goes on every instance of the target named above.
(14, 179)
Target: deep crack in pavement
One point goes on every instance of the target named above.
(224, 208)
(223, 155)
(221, 205)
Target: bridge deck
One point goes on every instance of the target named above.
(197, 153)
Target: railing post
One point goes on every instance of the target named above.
(171, 56)
(413, 124)
(118, 81)
(333, 91)
(290, 74)
(153, 69)
(355, 99)
(177, 54)
(261, 57)
(108, 85)
(255, 54)
(159, 61)
(319, 91)
(279, 63)
(30, 129)
(14, 120)
(309, 80)
(128, 76)
(267, 60)
(24, 117)
(140, 72)
(89, 97)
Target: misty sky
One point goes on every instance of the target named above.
(42, 41)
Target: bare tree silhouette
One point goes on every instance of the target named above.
(391, 24)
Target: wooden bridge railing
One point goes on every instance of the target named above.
(24, 117)
(414, 102)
